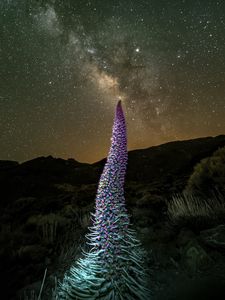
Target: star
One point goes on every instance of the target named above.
(65, 65)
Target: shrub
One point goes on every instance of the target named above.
(208, 176)
(187, 209)
(48, 225)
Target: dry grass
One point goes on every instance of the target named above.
(187, 209)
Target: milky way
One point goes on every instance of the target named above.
(65, 64)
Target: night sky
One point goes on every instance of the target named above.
(65, 64)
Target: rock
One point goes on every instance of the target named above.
(184, 237)
(163, 233)
(144, 221)
(146, 231)
(194, 258)
(214, 237)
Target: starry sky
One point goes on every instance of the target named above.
(65, 64)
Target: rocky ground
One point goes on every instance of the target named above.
(45, 209)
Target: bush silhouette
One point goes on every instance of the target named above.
(208, 177)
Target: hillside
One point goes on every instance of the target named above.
(169, 163)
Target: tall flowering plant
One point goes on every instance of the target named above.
(114, 266)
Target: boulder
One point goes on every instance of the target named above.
(214, 237)
(194, 258)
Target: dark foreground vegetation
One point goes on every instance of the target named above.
(174, 193)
